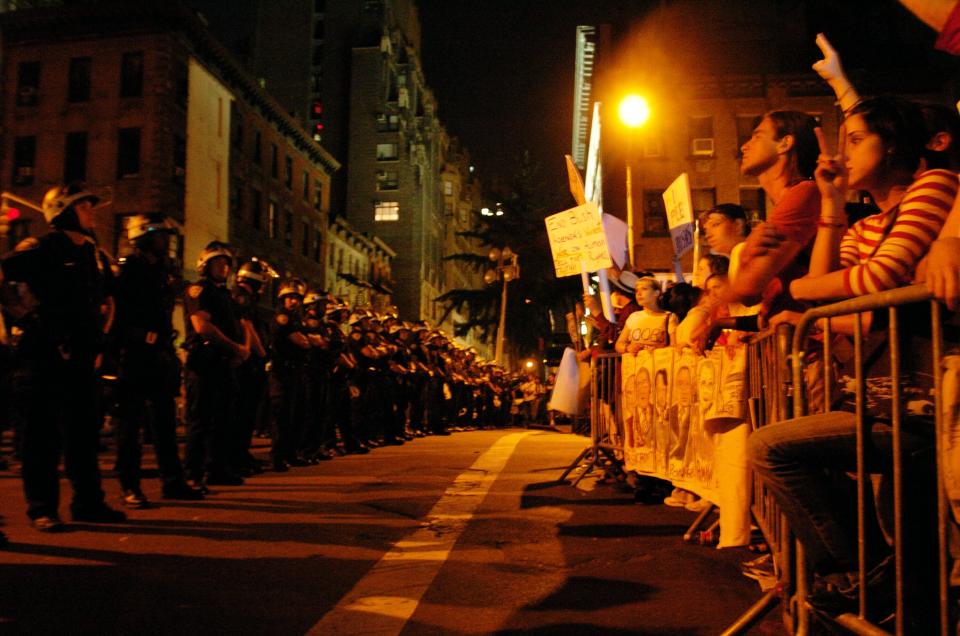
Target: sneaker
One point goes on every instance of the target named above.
(98, 514)
(135, 499)
(199, 485)
(48, 524)
(280, 466)
(182, 491)
(698, 505)
(679, 498)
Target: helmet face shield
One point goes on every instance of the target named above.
(257, 271)
(214, 250)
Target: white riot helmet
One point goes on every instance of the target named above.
(59, 199)
(143, 224)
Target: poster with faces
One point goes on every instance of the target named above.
(639, 431)
(662, 376)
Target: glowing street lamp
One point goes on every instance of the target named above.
(634, 113)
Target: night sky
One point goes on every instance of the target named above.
(502, 70)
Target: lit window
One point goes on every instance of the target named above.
(448, 188)
(387, 211)
(387, 152)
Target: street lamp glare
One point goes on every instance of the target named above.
(634, 111)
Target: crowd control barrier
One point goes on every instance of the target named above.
(892, 303)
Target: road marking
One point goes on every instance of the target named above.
(387, 596)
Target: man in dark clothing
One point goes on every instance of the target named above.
(216, 345)
(148, 367)
(291, 351)
(252, 278)
(64, 288)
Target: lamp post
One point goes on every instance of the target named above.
(507, 269)
(634, 112)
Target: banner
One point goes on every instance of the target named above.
(684, 420)
(679, 207)
(577, 240)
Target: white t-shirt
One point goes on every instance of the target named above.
(738, 309)
(649, 329)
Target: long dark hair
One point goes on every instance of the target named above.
(899, 124)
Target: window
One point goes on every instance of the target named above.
(317, 58)
(387, 211)
(387, 152)
(24, 160)
(317, 245)
(274, 159)
(256, 150)
(179, 157)
(318, 195)
(75, 157)
(306, 185)
(288, 172)
(305, 245)
(28, 83)
(78, 80)
(272, 219)
(388, 123)
(256, 209)
(128, 153)
(703, 199)
(654, 214)
(387, 180)
(754, 201)
(653, 147)
(131, 74)
(318, 29)
(701, 136)
(319, 6)
(745, 126)
(288, 228)
(448, 188)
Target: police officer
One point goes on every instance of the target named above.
(216, 345)
(61, 319)
(252, 278)
(148, 368)
(319, 436)
(287, 376)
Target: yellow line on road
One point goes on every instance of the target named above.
(387, 596)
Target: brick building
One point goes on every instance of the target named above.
(359, 267)
(139, 101)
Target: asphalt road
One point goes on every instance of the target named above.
(467, 534)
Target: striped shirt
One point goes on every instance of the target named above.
(881, 251)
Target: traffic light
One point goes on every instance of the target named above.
(317, 109)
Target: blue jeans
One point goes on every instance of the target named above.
(803, 464)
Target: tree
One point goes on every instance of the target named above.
(525, 200)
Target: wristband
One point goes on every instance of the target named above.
(841, 225)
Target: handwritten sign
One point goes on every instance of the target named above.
(679, 206)
(576, 236)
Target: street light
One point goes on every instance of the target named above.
(634, 113)
(507, 269)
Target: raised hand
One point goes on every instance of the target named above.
(831, 172)
(829, 68)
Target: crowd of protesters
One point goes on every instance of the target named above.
(88, 341)
(817, 246)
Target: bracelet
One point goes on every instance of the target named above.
(837, 224)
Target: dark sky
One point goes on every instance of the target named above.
(502, 70)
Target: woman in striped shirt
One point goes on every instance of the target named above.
(881, 152)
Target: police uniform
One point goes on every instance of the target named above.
(211, 386)
(252, 383)
(148, 370)
(287, 389)
(54, 374)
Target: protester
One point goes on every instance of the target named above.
(782, 155)
(651, 327)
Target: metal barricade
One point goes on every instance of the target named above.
(890, 301)
(606, 419)
(769, 401)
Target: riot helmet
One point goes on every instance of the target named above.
(256, 273)
(214, 249)
(292, 287)
(59, 206)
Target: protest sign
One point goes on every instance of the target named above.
(577, 240)
(679, 207)
(684, 421)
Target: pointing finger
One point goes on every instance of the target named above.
(825, 47)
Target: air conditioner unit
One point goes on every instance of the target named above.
(702, 147)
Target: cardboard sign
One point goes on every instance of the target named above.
(577, 240)
(679, 207)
